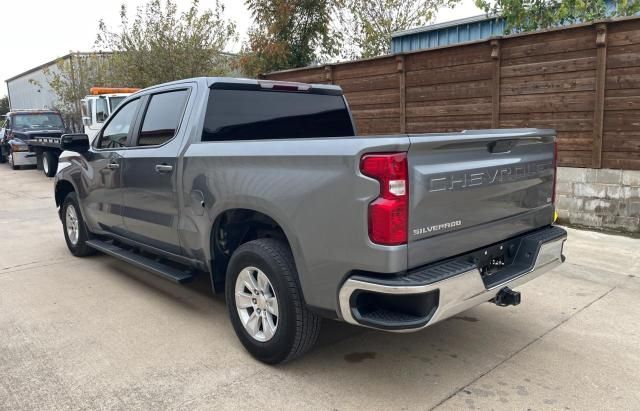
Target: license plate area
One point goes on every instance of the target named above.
(500, 262)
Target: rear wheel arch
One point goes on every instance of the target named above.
(237, 226)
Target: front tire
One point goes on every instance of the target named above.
(265, 304)
(74, 228)
(49, 164)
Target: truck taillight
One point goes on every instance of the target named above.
(389, 213)
(555, 170)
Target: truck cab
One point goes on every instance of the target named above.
(99, 105)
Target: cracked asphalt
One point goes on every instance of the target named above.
(97, 333)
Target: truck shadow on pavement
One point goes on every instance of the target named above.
(430, 365)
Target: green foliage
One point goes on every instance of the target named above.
(162, 45)
(370, 23)
(71, 80)
(4, 105)
(289, 34)
(528, 15)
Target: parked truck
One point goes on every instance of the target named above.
(98, 106)
(21, 127)
(265, 188)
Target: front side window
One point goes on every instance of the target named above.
(116, 132)
(162, 118)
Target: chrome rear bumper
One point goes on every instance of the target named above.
(454, 294)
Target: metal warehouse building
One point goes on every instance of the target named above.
(31, 89)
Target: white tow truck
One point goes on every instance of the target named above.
(99, 105)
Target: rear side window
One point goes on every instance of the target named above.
(162, 118)
(260, 115)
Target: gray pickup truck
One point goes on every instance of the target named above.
(264, 187)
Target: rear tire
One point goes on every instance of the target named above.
(74, 228)
(3, 159)
(296, 328)
(49, 164)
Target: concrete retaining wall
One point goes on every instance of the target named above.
(599, 198)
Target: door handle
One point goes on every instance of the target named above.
(164, 168)
(113, 166)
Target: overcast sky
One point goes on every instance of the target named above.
(37, 31)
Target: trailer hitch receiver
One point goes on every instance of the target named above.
(506, 297)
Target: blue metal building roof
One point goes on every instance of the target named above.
(452, 32)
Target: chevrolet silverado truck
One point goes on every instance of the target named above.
(265, 188)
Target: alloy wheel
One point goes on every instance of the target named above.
(72, 224)
(256, 304)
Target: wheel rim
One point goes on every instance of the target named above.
(71, 222)
(45, 165)
(256, 304)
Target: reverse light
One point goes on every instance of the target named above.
(389, 212)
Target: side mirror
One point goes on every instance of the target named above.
(75, 142)
(86, 121)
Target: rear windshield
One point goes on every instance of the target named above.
(260, 115)
(37, 121)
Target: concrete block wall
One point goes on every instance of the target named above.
(599, 198)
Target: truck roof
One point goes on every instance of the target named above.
(245, 83)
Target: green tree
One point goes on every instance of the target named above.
(368, 24)
(72, 77)
(161, 44)
(4, 106)
(528, 15)
(289, 34)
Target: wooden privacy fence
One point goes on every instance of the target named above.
(583, 81)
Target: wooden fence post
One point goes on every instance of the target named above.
(495, 88)
(601, 83)
(328, 74)
(403, 93)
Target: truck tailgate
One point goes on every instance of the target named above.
(475, 188)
